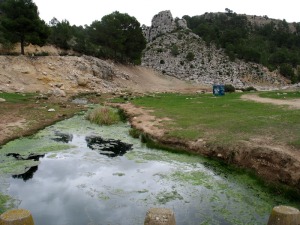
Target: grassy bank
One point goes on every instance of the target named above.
(32, 112)
(223, 120)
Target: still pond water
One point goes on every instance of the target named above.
(104, 176)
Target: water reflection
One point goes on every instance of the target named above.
(109, 147)
(80, 186)
(35, 157)
(27, 175)
(30, 172)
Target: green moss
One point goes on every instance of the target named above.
(119, 174)
(165, 196)
(142, 191)
(103, 196)
(194, 177)
(135, 133)
(14, 167)
(39, 144)
(6, 203)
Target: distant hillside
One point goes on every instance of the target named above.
(272, 43)
(177, 51)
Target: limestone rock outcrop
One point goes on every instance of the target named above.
(176, 51)
(163, 23)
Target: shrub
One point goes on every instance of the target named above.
(190, 56)
(249, 89)
(162, 61)
(174, 50)
(229, 88)
(180, 36)
(103, 116)
(41, 54)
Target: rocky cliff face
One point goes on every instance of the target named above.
(175, 51)
(163, 23)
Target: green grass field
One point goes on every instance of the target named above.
(223, 120)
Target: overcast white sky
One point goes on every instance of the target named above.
(80, 12)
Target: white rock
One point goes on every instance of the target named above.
(51, 110)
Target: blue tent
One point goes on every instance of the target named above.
(218, 90)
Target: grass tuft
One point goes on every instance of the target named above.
(103, 116)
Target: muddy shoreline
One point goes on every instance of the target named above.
(269, 162)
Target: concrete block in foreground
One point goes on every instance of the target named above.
(160, 216)
(284, 215)
(16, 217)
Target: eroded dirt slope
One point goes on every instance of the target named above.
(71, 74)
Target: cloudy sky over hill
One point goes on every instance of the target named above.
(85, 12)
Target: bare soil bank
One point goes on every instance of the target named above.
(24, 119)
(272, 162)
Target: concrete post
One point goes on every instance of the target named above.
(284, 215)
(160, 216)
(16, 217)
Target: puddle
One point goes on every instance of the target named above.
(100, 175)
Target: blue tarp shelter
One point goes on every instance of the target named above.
(218, 90)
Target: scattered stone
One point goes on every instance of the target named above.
(25, 71)
(59, 85)
(82, 81)
(2, 100)
(80, 101)
(58, 93)
(160, 216)
(51, 110)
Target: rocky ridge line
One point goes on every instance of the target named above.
(170, 42)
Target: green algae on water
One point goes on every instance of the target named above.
(6, 203)
(25, 148)
(164, 197)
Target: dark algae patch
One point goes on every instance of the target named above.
(110, 147)
(27, 175)
(62, 137)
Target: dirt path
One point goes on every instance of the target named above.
(291, 103)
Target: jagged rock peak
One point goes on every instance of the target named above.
(163, 23)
